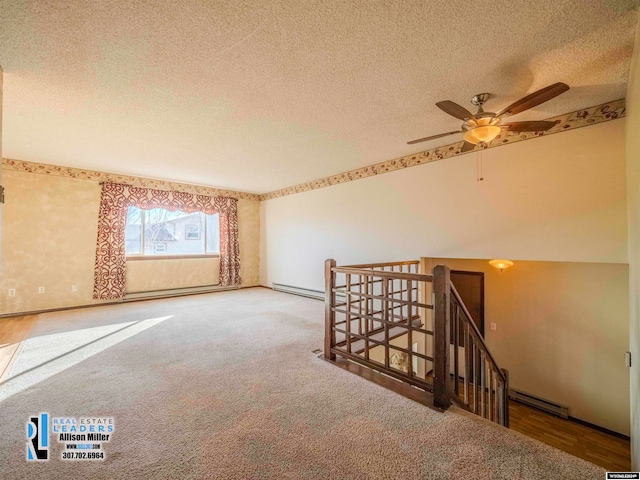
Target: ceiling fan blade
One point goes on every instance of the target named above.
(455, 110)
(535, 98)
(467, 147)
(432, 137)
(535, 126)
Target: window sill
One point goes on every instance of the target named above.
(171, 257)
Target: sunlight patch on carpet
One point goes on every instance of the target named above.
(44, 356)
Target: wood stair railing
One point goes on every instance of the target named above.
(377, 316)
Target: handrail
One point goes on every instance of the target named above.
(488, 396)
(476, 331)
(419, 277)
(386, 264)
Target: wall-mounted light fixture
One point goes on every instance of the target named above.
(501, 264)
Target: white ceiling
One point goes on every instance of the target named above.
(260, 95)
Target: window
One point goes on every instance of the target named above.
(161, 232)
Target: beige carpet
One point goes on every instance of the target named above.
(225, 385)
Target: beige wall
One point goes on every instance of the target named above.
(151, 275)
(560, 198)
(562, 331)
(1, 205)
(633, 182)
(557, 198)
(49, 233)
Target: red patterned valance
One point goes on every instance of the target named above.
(109, 281)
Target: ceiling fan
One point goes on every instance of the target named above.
(485, 126)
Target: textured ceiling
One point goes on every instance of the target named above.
(260, 95)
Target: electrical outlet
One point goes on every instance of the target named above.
(40, 289)
(12, 292)
(74, 288)
(493, 326)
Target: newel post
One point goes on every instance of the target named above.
(505, 396)
(442, 319)
(329, 313)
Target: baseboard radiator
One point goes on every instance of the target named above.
(175, 292)
(305, 292)
(540, 403)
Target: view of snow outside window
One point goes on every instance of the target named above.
(171, 233)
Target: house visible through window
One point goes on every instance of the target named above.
(161, 232)
(192, 232)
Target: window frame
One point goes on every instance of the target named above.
(160, 256)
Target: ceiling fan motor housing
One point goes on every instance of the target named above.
(481, 120)
(480, 99)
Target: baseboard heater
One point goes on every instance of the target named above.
(541, 403)
(305, 292)
(175, 292)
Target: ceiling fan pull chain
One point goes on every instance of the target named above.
(479, 177)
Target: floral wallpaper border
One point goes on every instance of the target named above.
(568, 121)
(81, 174)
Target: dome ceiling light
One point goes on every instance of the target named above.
(501, 264)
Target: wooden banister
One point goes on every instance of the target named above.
(488, 395)
(384, 265)
(441, 364)
(472, 325)
(329, 309)
(369, 306)
(505, 397)
(384, 274)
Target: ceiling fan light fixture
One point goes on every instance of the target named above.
(482, 134)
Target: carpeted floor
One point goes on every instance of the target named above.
(225, 385)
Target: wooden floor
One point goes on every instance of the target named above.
(13, 331)
(607, 451)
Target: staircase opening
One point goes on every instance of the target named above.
(414, 328)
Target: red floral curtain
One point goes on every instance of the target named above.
(109, 278)
(229, 246)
